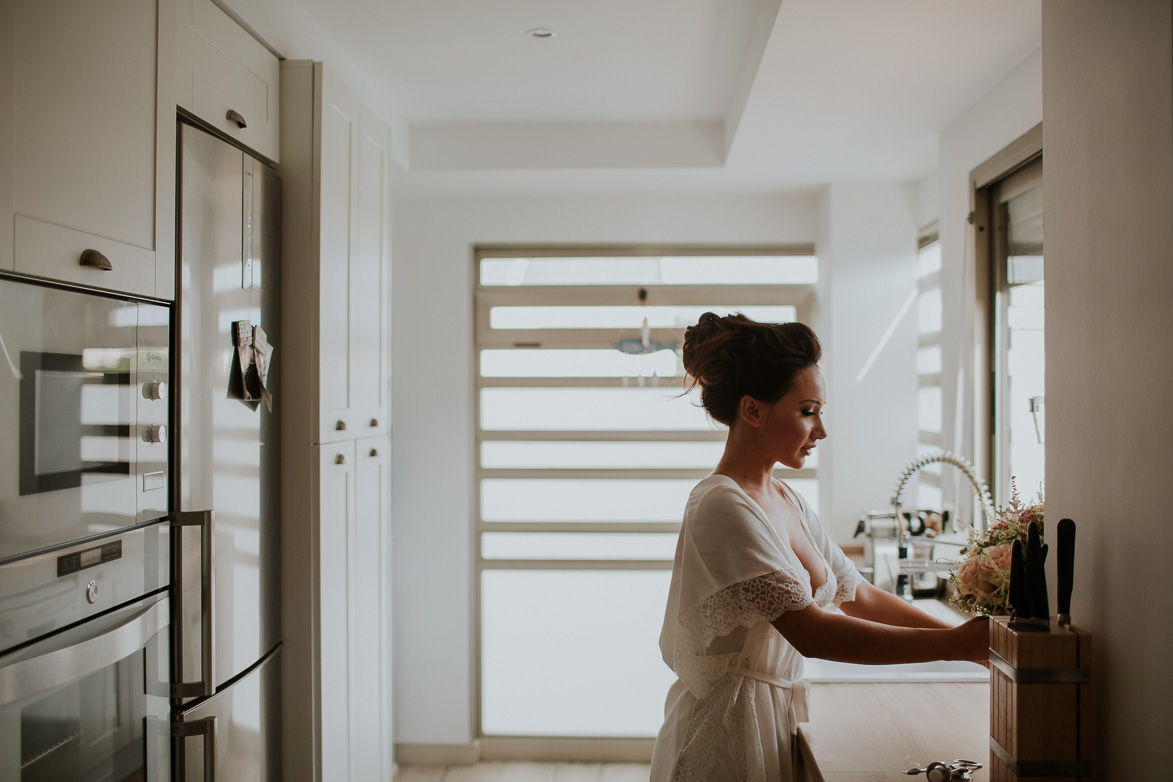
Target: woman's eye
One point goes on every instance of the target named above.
(808, 412)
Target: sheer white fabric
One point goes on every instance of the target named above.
(740, 693)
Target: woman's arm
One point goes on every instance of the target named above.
(875, 604)
(833, 636)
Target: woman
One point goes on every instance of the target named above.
(756, 578)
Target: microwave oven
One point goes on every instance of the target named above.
(83, 414)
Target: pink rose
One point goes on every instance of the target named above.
(999, 557)
(971, 578)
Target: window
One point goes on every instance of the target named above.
(1018, 356)
(587, 448)
(1009, 356)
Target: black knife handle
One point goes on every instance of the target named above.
(1036, 576)
(1016, 593)
(1065, 564)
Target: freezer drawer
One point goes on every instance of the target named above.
(236, 733)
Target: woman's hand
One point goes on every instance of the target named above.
(973, 640)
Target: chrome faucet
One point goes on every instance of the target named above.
(905, 565)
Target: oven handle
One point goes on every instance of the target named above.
(204, 519)
(205, 727)
(37, 674)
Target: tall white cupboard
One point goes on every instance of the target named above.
(336, 536)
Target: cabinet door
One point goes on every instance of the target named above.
(337, 515)
(340, 118)
(227, 78)
(83, 135)
(370, 348)
(370, 672)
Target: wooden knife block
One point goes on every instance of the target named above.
(1040, 703)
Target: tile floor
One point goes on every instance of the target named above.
(527, 772)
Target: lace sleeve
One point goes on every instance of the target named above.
(744, 604)
(849, 580)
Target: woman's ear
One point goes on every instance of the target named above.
(751, 411)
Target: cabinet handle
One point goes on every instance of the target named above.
(374, 452)
(340, 426)
(235, 116)
(340, 459)
(97, 260)
(374, 422)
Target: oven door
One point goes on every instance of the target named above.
(90, 703)
(83, 414)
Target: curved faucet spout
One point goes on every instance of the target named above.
(939, 457)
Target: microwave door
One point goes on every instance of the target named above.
(68, 417)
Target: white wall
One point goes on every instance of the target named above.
(867, 323)
(432, 402)
(1108, 178)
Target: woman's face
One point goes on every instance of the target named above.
(793, 425)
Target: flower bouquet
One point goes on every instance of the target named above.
(982, 578)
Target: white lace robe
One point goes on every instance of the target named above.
(740, 692)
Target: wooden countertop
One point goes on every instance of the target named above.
(874, 732)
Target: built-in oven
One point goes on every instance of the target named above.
(85, 544)
(87, 700)
(83, 414)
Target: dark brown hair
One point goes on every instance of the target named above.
(732, 356)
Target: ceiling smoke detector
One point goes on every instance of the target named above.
(541, 32)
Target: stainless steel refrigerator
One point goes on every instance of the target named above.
(226, 611)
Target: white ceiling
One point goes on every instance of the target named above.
(709, 95)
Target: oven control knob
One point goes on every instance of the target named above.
(156, 389)
(155, 433)
(92, 592)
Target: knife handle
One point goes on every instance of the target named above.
(1017, 589)
(1065, 564)
(1036, 576)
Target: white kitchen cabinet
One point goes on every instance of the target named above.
(335, 481)
(226, 77)
(87, 142)
(336, 520)
(341, 237)
(368, 613)
(352, 723)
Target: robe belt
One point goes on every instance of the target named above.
(798, 692)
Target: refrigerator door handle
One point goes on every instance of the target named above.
(205, 520)
(205, 727)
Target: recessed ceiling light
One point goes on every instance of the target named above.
(541, 32)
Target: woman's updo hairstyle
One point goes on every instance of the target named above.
(732, 356)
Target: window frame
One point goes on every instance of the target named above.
(988, 324)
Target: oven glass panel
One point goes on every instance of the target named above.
(89, 729)
(75, 420)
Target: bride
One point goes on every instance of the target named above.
(756, 578)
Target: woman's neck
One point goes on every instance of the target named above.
(745, 465)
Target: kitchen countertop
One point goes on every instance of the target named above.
(868, 732)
